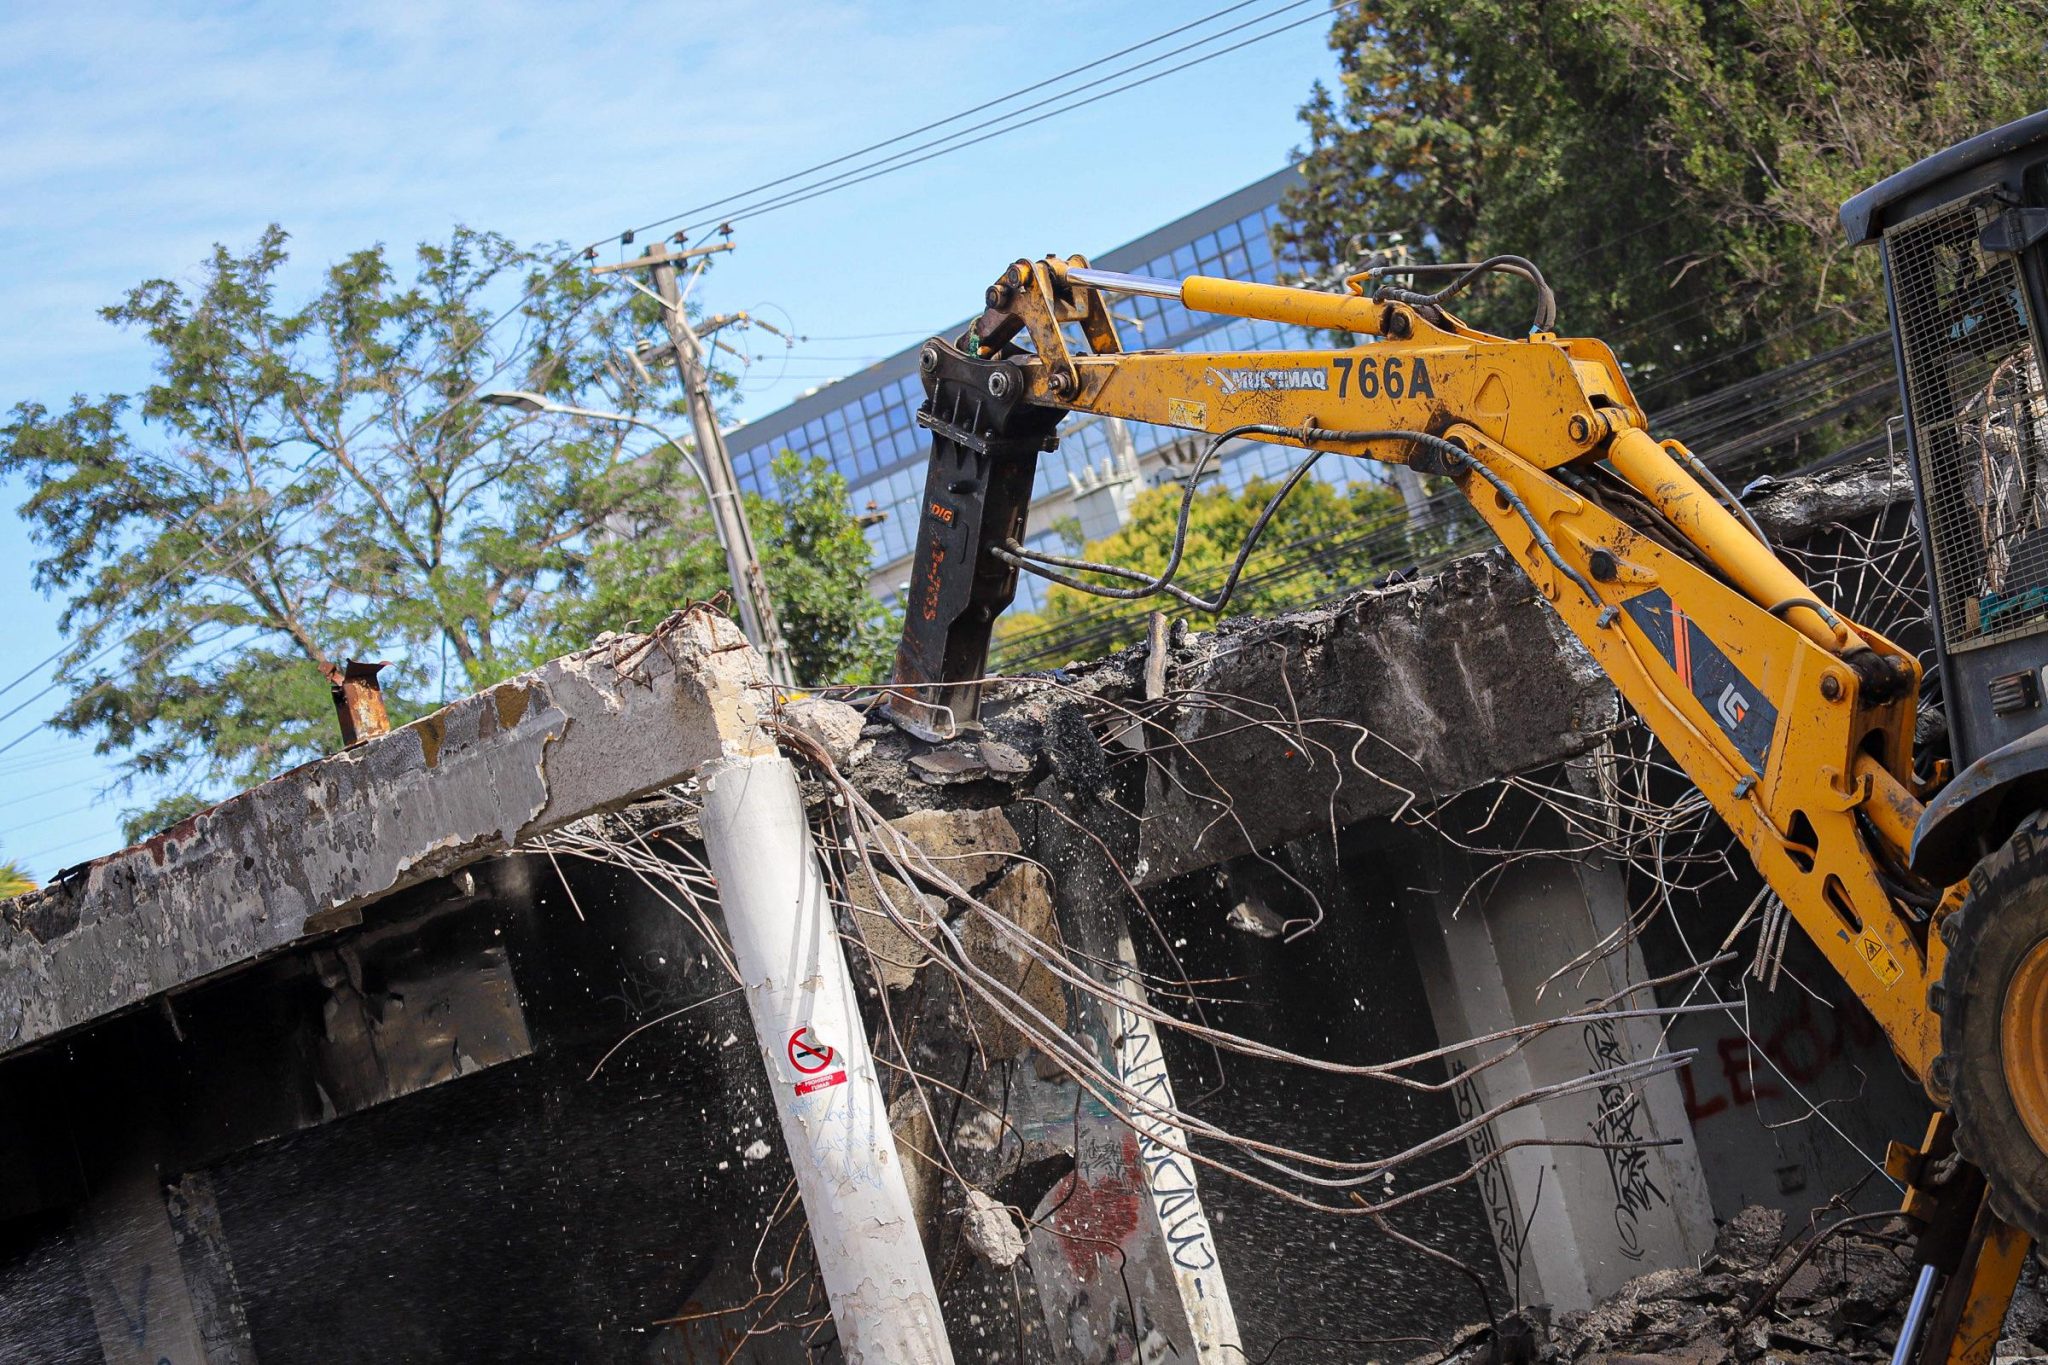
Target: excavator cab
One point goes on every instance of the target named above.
(1964, 237)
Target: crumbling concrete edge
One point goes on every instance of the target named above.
(304, 851)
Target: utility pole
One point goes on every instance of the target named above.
(728, 509)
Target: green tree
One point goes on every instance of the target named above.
(1322, 540)
(13, 881)
(307, 482)
(812, 553)
(1673, 165)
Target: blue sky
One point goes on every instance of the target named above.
(133, 136)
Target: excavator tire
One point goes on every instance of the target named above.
(1993, 999)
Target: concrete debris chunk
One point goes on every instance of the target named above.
(896, 954)
(1004, 760)
(833, 724)
(969, 846)
(1683, 1316)
(945, 767)
(1749, 1239)
(1024, 898)
(991, 1231)
(1253, 916)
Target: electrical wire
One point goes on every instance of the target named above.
(861, 175)
(1034, 87)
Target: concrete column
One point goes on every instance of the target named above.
(140, 1305)
(1126, 1262)
(1571, 1223)
(1127, 1231)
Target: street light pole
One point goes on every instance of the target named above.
(757, 610)
(735, 567)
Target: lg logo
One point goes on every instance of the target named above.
(1733, 706)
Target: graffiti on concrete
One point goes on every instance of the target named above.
(1482, 1148)
(1805, 1043)
(1628, 1160)
(1169, 1176)
(1169, 1179)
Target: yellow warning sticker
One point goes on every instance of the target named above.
(1182, 413)
(1878, 958)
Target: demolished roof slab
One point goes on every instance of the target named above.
(303, 852)
(1417, 691)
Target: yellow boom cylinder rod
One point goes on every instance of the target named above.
(1278, 303)
(1725, 541)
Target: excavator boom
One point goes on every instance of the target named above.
(1794, 721)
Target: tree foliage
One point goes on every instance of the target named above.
(1675, 166)
(812, 553)
(14, 881)
(312, 481)
(1314, 514)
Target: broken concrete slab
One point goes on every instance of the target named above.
(304, 852)
(896, 956)
(969, 846)
(1416, 691)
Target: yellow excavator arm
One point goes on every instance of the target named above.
(1794, 721)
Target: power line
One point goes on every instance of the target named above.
(1032, 88)
(861, 175)
(28, 859)
(863, 336)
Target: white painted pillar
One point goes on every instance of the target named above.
(1577, 1221)
(807, 1019)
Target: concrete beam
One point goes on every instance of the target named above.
(1461, 677)
(304, 852)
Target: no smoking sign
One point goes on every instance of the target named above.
(812, 1056)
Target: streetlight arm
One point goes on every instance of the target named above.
(534, 403)
(696, 465)
(750, 590)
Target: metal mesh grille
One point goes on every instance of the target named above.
(1980, 424)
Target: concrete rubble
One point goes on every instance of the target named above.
(1767, 1293)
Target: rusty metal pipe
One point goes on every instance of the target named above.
(359, 701)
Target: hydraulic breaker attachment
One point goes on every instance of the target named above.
(985, 444)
